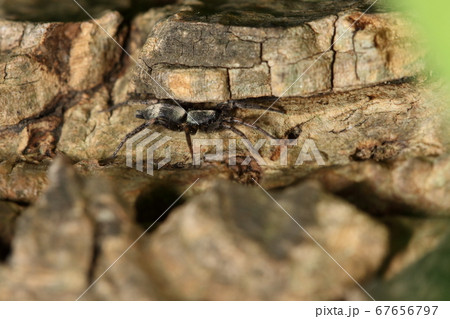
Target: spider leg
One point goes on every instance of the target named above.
(128, 102)
(255, 127)
(235, 131)
(130, 135)
(254, 106)
(189, 142)
(115, 106)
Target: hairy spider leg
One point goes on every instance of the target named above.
(131, 134)
(235, 131)
(255, 127)
(116, 106)
(189, 141)
(164, 122)
(253, 106)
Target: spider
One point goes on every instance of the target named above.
(190, 120)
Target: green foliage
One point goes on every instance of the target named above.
(427, 279)
(432, 19)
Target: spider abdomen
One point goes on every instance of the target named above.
(199, 117)
(170, 112)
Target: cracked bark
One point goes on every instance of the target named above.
(289, 52)
(71, 123)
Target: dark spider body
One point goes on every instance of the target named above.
(176, 118)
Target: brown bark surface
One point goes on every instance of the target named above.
(363, 97)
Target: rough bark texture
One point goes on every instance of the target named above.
(378, 123)
(297, 57)
(72, 232)
(48, 244)
(379, 204)
(262, 254)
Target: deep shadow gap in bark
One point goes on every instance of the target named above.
(153, 201)
(7, 231)
(68, 11)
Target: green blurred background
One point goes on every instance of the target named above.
(429, 277)
(432, 17)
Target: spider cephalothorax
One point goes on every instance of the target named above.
(190, 120)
